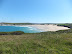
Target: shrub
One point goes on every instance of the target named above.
(3, 33)
(68, 43)
(17, 33)
(12, 33)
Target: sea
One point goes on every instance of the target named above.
(25, 29)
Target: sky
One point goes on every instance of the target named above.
(36, 11)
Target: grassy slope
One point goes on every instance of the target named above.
(43, 43)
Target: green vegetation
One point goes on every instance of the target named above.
(66, 25)
(17, 23)
(12, 33)
(41, 43)
(16, 33)
(59, 42)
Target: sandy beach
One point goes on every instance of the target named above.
(48, 27)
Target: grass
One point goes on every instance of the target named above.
(42, 43)
(59, 42)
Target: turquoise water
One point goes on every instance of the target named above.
(17, 28)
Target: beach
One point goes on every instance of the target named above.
(43, 28)
(48, 27)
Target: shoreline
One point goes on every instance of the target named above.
(43, 28)
(46, 28)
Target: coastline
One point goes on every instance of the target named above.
(43, 28)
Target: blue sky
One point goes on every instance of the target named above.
(36, 11)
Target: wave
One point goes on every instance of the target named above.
(31, 29)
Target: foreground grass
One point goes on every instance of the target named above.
(42, 43)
